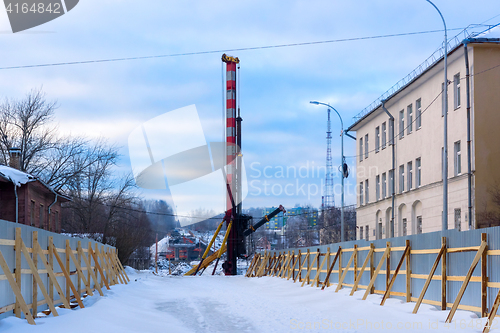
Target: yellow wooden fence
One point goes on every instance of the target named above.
(106, 271)
(291, 265)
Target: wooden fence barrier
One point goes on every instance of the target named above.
(101, 265)
(289, 264)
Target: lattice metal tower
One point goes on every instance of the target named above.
(328, 200)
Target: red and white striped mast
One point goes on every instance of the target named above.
(231, 153)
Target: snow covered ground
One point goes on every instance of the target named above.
(152, 303)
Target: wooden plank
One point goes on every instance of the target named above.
(104, 265)
(292, 268)
(36, 276)
(316, 278)
(388, 270)
(355, 263)
(462, 249)
(408, 272)
(79, 270)
(358, 278)
(443, 274)
(428, 281)
(484, 278)
(372, 266)
(339, 285)
(68, 268)
(372, 280)
(17, 269)
(8, 242)
(429, 251)
(34, 303)
(120, 267)
(393, 279)
(109, 254)
(38, 251)
(492, 314)
(51, 264)
(91, 271)
(284, 266)
(327, 278)
(308, 265)
(493, 252)
(301, 267)
(76, 292)
(466, 282)
(249, 269)
(99, 269)
(309, 269)
(15, 288)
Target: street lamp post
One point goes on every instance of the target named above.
(445, 119)
(342, 231)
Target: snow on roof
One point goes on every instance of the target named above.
(492, 33)
(17, 177)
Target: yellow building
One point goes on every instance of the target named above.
(418, 135)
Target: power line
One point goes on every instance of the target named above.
(223, 50)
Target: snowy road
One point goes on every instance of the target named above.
(236, 304)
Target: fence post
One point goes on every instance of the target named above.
(484, 278)
(355, 264)
(317, 263)
(34, 305)
(308, 264)
(51, 264)
(68, 269)
(17, 270)
(372, 266)
(408, 272)
(388, 268)
(340, 265)
(443, 275)
(299, 272)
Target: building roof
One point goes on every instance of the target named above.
(490, 35)
(19, 178)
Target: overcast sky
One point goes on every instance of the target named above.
(280, 128)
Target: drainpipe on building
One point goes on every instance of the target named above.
(391, 125)
(469, 157)
(17, 203)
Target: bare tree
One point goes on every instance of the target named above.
(25, 124)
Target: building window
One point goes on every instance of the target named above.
(377, 139)
(379, 230)
(391, 181)
(32, 213)
(418, 115)
(458, 159)
(401, 178)
(405, 227)
(401, 124)
(409, 168)
(361, 193)
(384, 181)
(367, 192)
(41, 224)
(360, 232)
(419, 224)
(456, 90)
(367, 233)
(418, 176)
(360, 149)
(458, 213)
(366, 146)
(409, 111)
(384, 135)
(377, 188)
